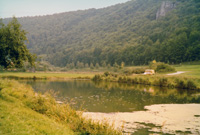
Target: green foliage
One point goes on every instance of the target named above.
(138, 70)
(161, 67)
(122, 65)
(126, 33)
(13, 51)
(134, 71)
(86, 65)
(1, 68)
(79, 65)
(97, 65)
(127, 72)
(108, 66)
(106, 73)
(103, 64)
(191, 84)
(116, 65)
(44, 66)
(91, 66)
(163, 82)
(97, 78)
(106, 76)
(164, 68)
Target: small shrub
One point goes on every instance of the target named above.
(163, 82)
(136, 80)
(124, 79)
(180, 84)
(127, 72)
(120, 79)
(191, 84)
(115, 69)
(129, 80)
(138, 70)
(147, 81)
(97, 78)
(106, 73)
(164, 68)
(140, 81)
(161, 67)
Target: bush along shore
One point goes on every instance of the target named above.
(25, 112)
(155, 80)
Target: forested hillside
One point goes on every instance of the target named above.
(135, 32)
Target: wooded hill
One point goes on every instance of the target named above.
(135, 32)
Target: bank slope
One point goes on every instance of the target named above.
(25, 112)
(17, 119)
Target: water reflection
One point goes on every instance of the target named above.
(113, 97)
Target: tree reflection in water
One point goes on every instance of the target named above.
(113, 97)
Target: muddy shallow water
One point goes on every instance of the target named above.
(164, 118)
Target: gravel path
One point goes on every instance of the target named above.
(177, 73)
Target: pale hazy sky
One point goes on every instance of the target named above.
(20, 8)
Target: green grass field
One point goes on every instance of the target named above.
(190, 70)
(43, 75)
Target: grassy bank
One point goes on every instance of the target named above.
(155, 80)
(190, 79)
(25, 112)
(43, 75)
(18, 119)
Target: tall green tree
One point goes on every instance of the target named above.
(13, 50)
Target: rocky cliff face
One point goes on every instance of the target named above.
(166, 6)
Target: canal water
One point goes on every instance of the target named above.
(135, 109)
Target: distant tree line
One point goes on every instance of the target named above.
(126, 33)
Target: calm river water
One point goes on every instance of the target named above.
(138, 109)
